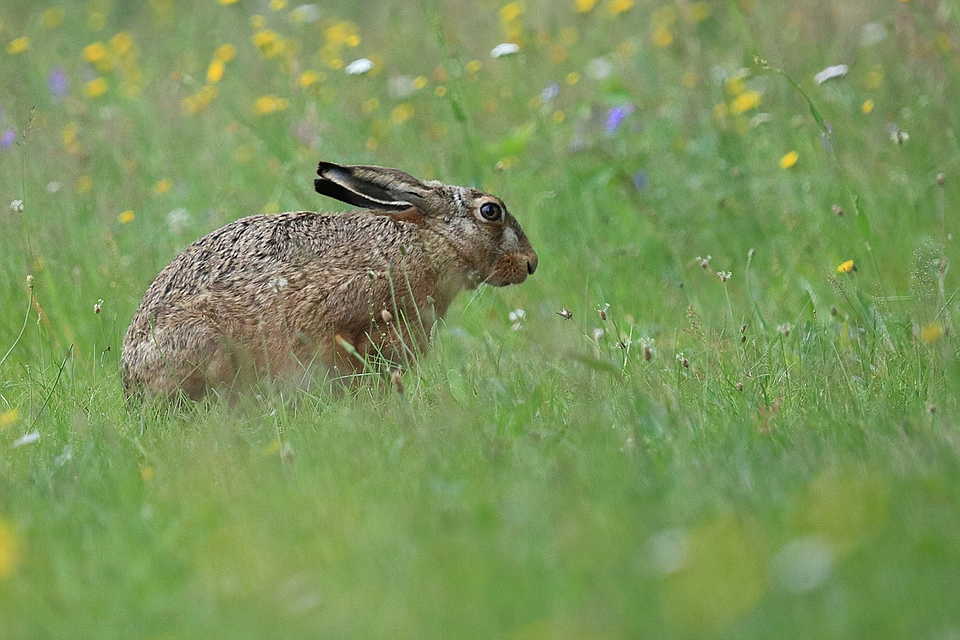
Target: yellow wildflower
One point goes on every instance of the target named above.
(931, 333)
(122, 43)
(225, 53)
(572, 78)
(512, 11)
(277, 5)
(874, 78)
(51, 18)
(200, 100)
(146, 473)
(789, 159)
(258, 22)
(162, 186)
(226, 2)
(8, 418)
(583, 6)
(440, 91)
(9, 549)
(126, 217)
(84, 184)
(401, 113)
(269, 104)
(699, 11)
(342, 33)
(616, 7)
(94, 52)
(559, 116)
(308, 78)
(419, 82)
(867, 106)
(18, 45)
(735, 86)
(215, 72)
(96, 88)
(662, 37)
(846, 266)
(269, 43)
(264, 38)
(70, 142)
(472, 67)
(745, 102)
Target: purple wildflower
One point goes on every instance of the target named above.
(8, 138)
(550, 92)
(641, 180)
(616, 116)
(57, 82)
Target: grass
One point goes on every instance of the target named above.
(770, 454)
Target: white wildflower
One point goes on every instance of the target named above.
(359, 67)
(835, 71)
(27, 438)
(504, 49)
(872, 33)
(599, 69)
(17, 205)
(305, 13)
(803, 564)
(401, 87)
(178, 220)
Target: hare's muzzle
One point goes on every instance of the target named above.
(531, 262)
(512, 268)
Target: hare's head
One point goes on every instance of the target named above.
(487, 239)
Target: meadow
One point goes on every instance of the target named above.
(725, 406)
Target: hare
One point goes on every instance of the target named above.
(293, 295)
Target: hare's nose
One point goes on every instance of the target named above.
(532, 264)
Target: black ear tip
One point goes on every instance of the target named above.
(317, 183)
(325, 167)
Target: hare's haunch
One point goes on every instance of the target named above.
(299, 294)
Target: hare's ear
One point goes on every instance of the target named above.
(370, 187)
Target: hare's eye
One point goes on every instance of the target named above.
(491, 211)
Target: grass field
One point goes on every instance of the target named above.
(748, 427)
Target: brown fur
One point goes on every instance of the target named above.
(296, 295)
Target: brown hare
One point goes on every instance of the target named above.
(295, 295)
